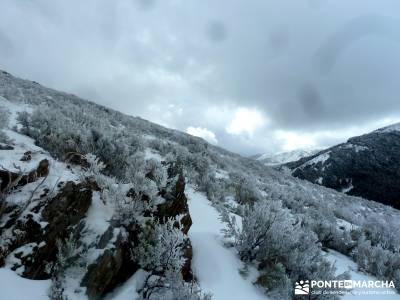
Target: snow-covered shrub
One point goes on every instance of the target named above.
(159, 145)
(69, 252)
(260, 224)
(4, 119)
(217, 189)
(94, 166)
(112, 149)
(245, 190)
(274, 279)
(267, 231)
(382, 232)
(160, 252)
(375, 260)
(127, 209)
(70, 130)
(156, 172)
(161, 246)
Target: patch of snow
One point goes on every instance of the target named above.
(221, 174)
(13, 109)
(72, 284)
(98, 215)
(343, 264)
(127, 291)
(346, 225)
(318, 159)
(348, 188)
(394, 127)
(23, 251)
(97, 222)
(215, 266)
(151, 154)
(10, 160)
(356, 148)
(285, 157)
(14, 287)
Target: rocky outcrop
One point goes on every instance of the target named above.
(174, 206)
(111, 268)
(38, 232)
(57, 220)
(8, 178)
(115, 265)
(27, 156)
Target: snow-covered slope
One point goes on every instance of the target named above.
(14, 287)
(394, 127)
(366, 166)
(284, 157)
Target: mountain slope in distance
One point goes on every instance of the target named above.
(366, 166)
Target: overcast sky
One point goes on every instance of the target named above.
(251, 76)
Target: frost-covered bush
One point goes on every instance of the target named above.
(68, 255)
(94, 166)
(267, 232)
(245, 190)
(383, 233)
(160, 252)
(260, 224)
(375, 260)
(70, 130)
(4, 119)
(156, 172)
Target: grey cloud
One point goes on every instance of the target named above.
(216, 31)
(308, 65)
(351, 32)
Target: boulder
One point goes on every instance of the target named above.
(27, 156)
(111, 268)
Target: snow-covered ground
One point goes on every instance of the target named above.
(215, 266)
(14, 287)
(285, 157)
(343, 263)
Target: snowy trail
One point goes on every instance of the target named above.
(216, 267)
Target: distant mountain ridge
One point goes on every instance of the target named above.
(366, 166)
(284, 157)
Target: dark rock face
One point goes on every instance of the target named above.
(8, 177)
(366, 166)
(6, 147)
(176, 205)
(62, 213)
(111, 268)
(77, 159)
(176, 201)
